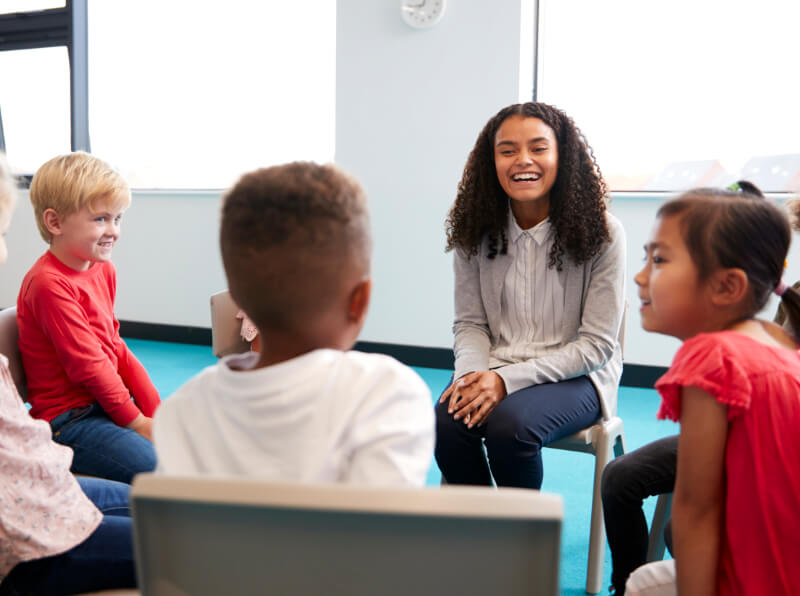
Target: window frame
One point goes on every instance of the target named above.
(55, 27)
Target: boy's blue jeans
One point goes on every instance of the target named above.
(103, 561)
(101, 448)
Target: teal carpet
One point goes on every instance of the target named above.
(568, 474)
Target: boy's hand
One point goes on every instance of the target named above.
(142, 425)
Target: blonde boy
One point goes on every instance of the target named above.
(296, 249)
(80, 373)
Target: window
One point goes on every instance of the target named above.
(185, 94)
(34, 99)
(9, 6)
(678, 94)
(43, 69)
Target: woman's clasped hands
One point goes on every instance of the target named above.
(474, 396)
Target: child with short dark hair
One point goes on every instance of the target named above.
(712, 261)
(296, 249)
(81, 375)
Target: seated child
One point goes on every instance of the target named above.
(53, 537)
(712, 261)
(650, 470)
(296, 249)
(81, 375)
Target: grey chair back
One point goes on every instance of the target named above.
(204, 536)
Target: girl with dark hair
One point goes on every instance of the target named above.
(645, 472)
(712, 261)
(539, 296)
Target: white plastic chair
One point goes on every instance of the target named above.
(605, 440)
(234, 536)
(9, 347)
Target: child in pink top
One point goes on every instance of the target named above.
(53, 537)
(712, 261)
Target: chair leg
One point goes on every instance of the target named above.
(655, 542)
(619, 443)
(597, 532)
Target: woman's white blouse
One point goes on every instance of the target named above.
(532, 302)
(593, 295)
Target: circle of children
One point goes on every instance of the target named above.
(531, 367)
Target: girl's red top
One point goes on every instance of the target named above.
(760, 385)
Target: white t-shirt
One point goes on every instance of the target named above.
(325, 416)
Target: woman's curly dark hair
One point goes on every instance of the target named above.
(577, 199)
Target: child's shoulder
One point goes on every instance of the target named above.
(43, 277)
(722, 340)
(48, 266)
(733, 342)
(376, 385)
(43, 265)
(371, 364)
(730, 366)
(380, 374)
(48, 275)
(733, 353)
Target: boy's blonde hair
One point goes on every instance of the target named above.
(8, 188)
(68, 183)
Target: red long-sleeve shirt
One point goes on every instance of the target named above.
(71, 349)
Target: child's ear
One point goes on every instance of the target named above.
(52, 221)
(359, 301)
(729, 286)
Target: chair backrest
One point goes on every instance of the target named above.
(226, 337)
(239, 536)
(9, 347)
(621, 334)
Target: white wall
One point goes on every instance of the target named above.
(409, 106)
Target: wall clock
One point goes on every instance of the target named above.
(422, 13)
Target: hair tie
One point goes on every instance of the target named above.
(734, 187)
(781, 288)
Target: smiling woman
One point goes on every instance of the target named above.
(526, 160)
(539, 278)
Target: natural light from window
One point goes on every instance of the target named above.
(187, 94)
(8, 6)
(34, 99)
(681, 93)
